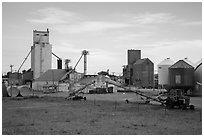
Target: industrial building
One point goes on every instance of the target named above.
(100, 86)
(56, 77)
(41, 53)
(143, 73)
(139, 72)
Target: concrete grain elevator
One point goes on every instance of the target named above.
(41, 54)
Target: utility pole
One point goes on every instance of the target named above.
(11, 79)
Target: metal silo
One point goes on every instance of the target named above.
(198, 78)
(181, 75)
(163, 73)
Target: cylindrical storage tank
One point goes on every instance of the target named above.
(163, 72)
(181, 75)
(59, 64)
(198, 78)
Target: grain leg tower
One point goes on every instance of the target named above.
(41, 55)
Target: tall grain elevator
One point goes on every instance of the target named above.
(139, 72)
(132, 57)
(41, 54)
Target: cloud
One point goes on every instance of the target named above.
(69, 22)
(172, 44)
(193, 23)
(147, 19)
(53, 16)
(91, 26)
(133, 36)
(153, 18)
(66, 46)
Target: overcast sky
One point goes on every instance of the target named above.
(106, 30)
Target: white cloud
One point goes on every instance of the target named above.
(133, 36)
(69, 22)
(153, 18)
(171, 44)
(53, 16)
(90, 26)
(193, 23)
(158, 19)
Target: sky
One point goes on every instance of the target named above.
(107, 30)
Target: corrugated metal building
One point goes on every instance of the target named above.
(181, 75)
(139, 72)
(143, 73)
(132, 57)
(50, 77)
(54, 77)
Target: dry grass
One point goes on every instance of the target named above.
(55, 115)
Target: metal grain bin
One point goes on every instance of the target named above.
(181, 75)
(163, 72)
(198, 79)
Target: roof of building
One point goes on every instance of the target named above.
(140, 61)
(52, 75)
(67, 72)
(189, 62)
(181, 64)
(40, 31)
(166, 61)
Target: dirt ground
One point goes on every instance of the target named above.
(98, 115)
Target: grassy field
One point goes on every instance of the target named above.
(57, 116)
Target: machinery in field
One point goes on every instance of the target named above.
(173, 98)
(178, 98)
(180, 85)
(76, 95)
